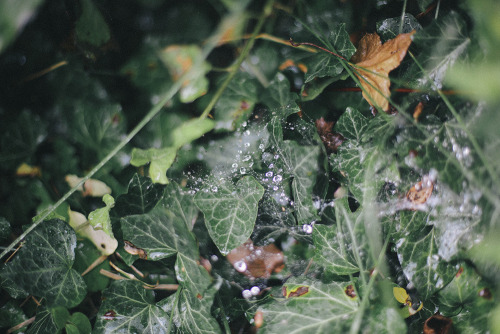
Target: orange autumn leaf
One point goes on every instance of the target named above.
(374, 61)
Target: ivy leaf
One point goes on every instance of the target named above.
(142, 195)
(374, 61)
(462, 289)
(91, 28)
(230, 211)
(43, 266)
(192, 314)
(99, 218)
(160, 160)
(11, 315)
(442, 43)
(322, 308)
(180, 202)
(422, 265)
(337, 247)
(160, 234)
(49, 320)
(236, 103)
(326, 65)
(180, 59)
(129, 308)
(279, 99)
(191, 275)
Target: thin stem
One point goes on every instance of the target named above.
(224, 317)
(248, 46)
(295, 44)
(401, 24)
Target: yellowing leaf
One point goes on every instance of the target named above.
(374, 61)
(400, 294)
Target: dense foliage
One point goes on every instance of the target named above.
(185, 167)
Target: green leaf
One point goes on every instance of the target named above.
(230, 210)
(441, 44)
(190, 313)
(236, 103)
(462, 289)
(99, 218)
(160, 161)
(49, 320)
(352, 125)
(43, 266)
(129, 308)
(180, 202)
(160, 234)
(191, 275)
(384, 320)
(91, 28)
(15, 15)
(190, 130)
(325, 308)
(142, 195)
(11, 315)
(323, 64)
(81, 322)
(85, 254)
(343, 248)
(180, 59)
(422, 265)
(279, 99)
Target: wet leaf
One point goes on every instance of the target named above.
(180, 59)
(192, 313)
(142, 195)
(5, 230)
(230, 210)
(422, 265)
(324, 309)
(43, 267)
(462, 289)
(160, 161)
(180, 202)
(374, 61)
(279, 99)
(160, 234)
(442, 43)
(11, 315)
(338, 246)
(236, 103)
(128, 307)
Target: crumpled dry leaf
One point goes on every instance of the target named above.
(330, 139)
(374, 61)
(256, 261)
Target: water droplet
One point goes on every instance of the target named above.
(255, 290)
(276, 157)
(243, 170)
(240, 266)
(269, 174)
(235, 165)
(214, 258)
(261, 146)
(214, 189)
(247, 144)
(307, 228)
(246, 158)
(277, 178)
(246, 294)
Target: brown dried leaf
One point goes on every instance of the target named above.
(420, 192)
(330, 139)
(256, 261)
(374, 61)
